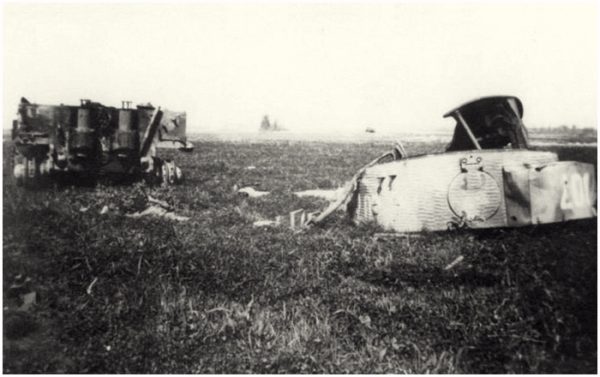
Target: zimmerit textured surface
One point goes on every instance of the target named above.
(417, 194)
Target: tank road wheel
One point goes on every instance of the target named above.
(160, 171)
(18, 167)
(30, 169)
(27, 172)
(171, 174)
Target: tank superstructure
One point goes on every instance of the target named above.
(89, 141)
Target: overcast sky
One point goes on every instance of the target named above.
(312, 67)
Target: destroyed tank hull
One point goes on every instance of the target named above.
(487, 178)
(90, 141)
(474, 189)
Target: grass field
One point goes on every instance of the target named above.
(216, 295)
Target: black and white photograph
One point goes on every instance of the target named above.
(299, 187)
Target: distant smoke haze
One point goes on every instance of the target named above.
(314, 67)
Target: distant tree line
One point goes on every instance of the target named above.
(565, 133)
(266, 125)
(573, 129)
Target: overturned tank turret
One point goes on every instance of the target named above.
(91, 140)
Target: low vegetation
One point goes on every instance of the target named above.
(216, 295)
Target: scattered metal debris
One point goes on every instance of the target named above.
(329, 195)
(28, 299)
(252, 193)
(297, 219)
(455, 262)
(161, 203)
(89, 288)
(158, 211)
(261, 223)
(158, 208)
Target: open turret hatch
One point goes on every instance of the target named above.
(489, 123)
